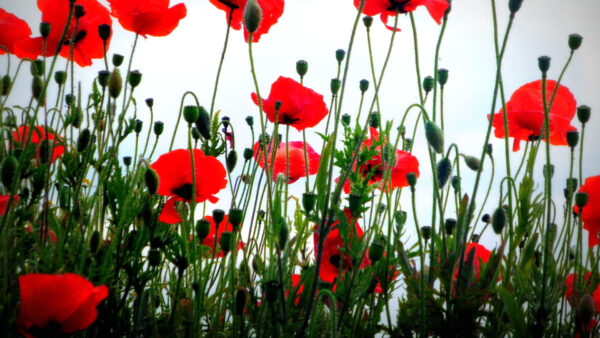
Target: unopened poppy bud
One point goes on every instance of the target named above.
(5, 84)
(572, 138)
(514, 6)
(252, 16)
(37, 85)
(346, 119)
(139, 124)
(472, 162)
(218, 216)
(581, 199)
(407, 144)
(8, 170)
(583, 113)
(411, 178)
(499, 220)
(240, 301)
(444, 169)
(127, 160)
(60, 77)
(375, 251)
(203, 123)
(549, 170)
(248, 154)
(434, 136)
(426, 232)
(104, 31)
(489, 149)
(575, 41)
(455, 182)
(354, 203)
(363, 85)
(428, 83)
(83, 140)
(282, 238)
(301, 67)
(117, 60)
(191, 114)
(202, 228)
(79, 11)
(368, 21)
(45, 29)
(250, 121)
(154, 257)
(231, 160)
(335, 85)
(134, 78)
(586, 309)
(103, 77)
(151, 179)
(374, 120)
(115, 83)
(449, 224)
(339, 55)
(37, 67)
(150, 102)
(308, 201)
(95, 241)
(159, 126)
(225, 241)
(442, 74)
(544, 63)
(235, 217)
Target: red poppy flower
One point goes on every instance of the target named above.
(301, 107)
(13, 30)
(68, 300)
(4, 203)
(37, 136)
(214, 235)
(148, 17)
(525, 113)
(436, 8)
(174, 170)
(271, 11)
(297, 163)
(87, 44)
(331, 259)
(482, 255)
(572, 295)
(591, 211)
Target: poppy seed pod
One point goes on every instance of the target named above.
(45, 28)
(400, 217)
(571, 184)
(150, 102)
(581, 199)
(250, 121)
(434, 136)
(572, 138)
(248, 154)
(203, 123)
(499, 220)
(346, 119)
(335, 85)
(426, 232)
(514, 6)
(79, 11)
(115, 83)
(159, 126)
(363, 85)
(218, 216)
(191, 114)
(151, 179)
(8, 170)
(444, 169)
(37, 67)
(231, 160)
(235, 217)
(202, 228)
(339, 55)
(154, 257)
(60, 77)
(411, 178)
(583, 113)
(575, 41)
(549, 170)
(472, 162)
(134, 78)
(354, 203)
(225, 241)
(450, 224)
(375, 251)
(103, 77)
(586, 308)
(6, 80)
(308, 201)
(139, 124)
(374, 120)
(252, 16)
(544, 63)
(368, 21)
(117, 60)
(83, 140)
(104, 31)
(428, 84)
(37, 85)
(442, 74)
(127, 160)
(301, 67)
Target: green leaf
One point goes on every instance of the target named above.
(514, 312)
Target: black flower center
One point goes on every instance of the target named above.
(335, 260)
(185, 191)
(229, 4)
(286, 119)
(398, 5)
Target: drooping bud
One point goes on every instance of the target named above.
(252, 16)
(428, 84)
(191, 114)
(583, 113)
(426, 232)
(434, 136)
(83, 140)
(195, 134)
(368, 21)
(301, 67)
(117, 60)
(572, 138)
(104, 31)
(444, 169)
(8, 170)
(115, 83)
(60, 77)
(6, 80)
(335, 85)
(472, 162)
(575, 41)
(159, 126)
(442, 74)
(363, 85)
(544, 63)
(455, 182)
(203, 123)
(218, 216)
(308, 201)
(202, 228)
(151, 179)
(231, 160)
(499, 220)
(45, 28)
(450, 224)
(134, 78)
(581, 199)
(339, 55)
(103, 77)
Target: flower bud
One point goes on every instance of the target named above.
(6, 81)
(225, 241)
(45, 28)
(202, 228)
(203, 123)
(346, 119)
(544, 63)
(83, 140)
(308, 201)
(134, 78)
(191, 114)
(455, 182)
(248, 154)
(277, 105)
(127, 160)
(117, 60)
(426, 232)
(575, 41)
(514, 6)
(339, 55)
(284, 233)
(231, 160)
(37, 67)
(586, 309)
(154, 257)
(472, 162)
(449, 224)
(354, 203)
(301, 67)
(159, 126)
(572, 138)
(400, 217)
(150, 102)
(444, 169)
(374, 120)
(335, 85)
(60, 77)
(428, 84)
(138, 125)
(79, 11)
(252, 16)
(104, 31)
(434, 136)
(375, 251)
(368, 21)
(152, 180)
(442, 74)
(489, 149)
(250, 121)
(583, 113)
(411, 178)
(499, 220)
(571, 184)
(407, 144)
(581, 199)
(37, 85)
(363, 85)
(103, 77)
(115, 83)
(235, 217)
(218, 216)
(8, 170)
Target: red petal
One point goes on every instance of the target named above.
(169, 214)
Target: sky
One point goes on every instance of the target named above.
(313, 29)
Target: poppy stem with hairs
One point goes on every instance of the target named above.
(416, 47)
(125, 100)
(214, 96)
(435, 71)
(372, 64)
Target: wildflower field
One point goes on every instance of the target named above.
(215, 187)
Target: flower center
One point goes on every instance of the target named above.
(335, 260)
(398, 5)
(229, 4)
(285, 119)
(185, 191)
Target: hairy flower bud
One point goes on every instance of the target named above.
(151, 179)
(442, 74)
(354, 203)
(231, 160)
(583, 113)
(428, 84)
(346, 119)
(8, 170)
(225, 241)
(37, 85)
(115, 83)
(434, 136)
(37, 68)
(159, 126)
(375, 251)
(499, 220)
(444, 169)
(308, 201)
(575, 41)
(83, 140)
(252, 16)
(472, 162)
(203, 123)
